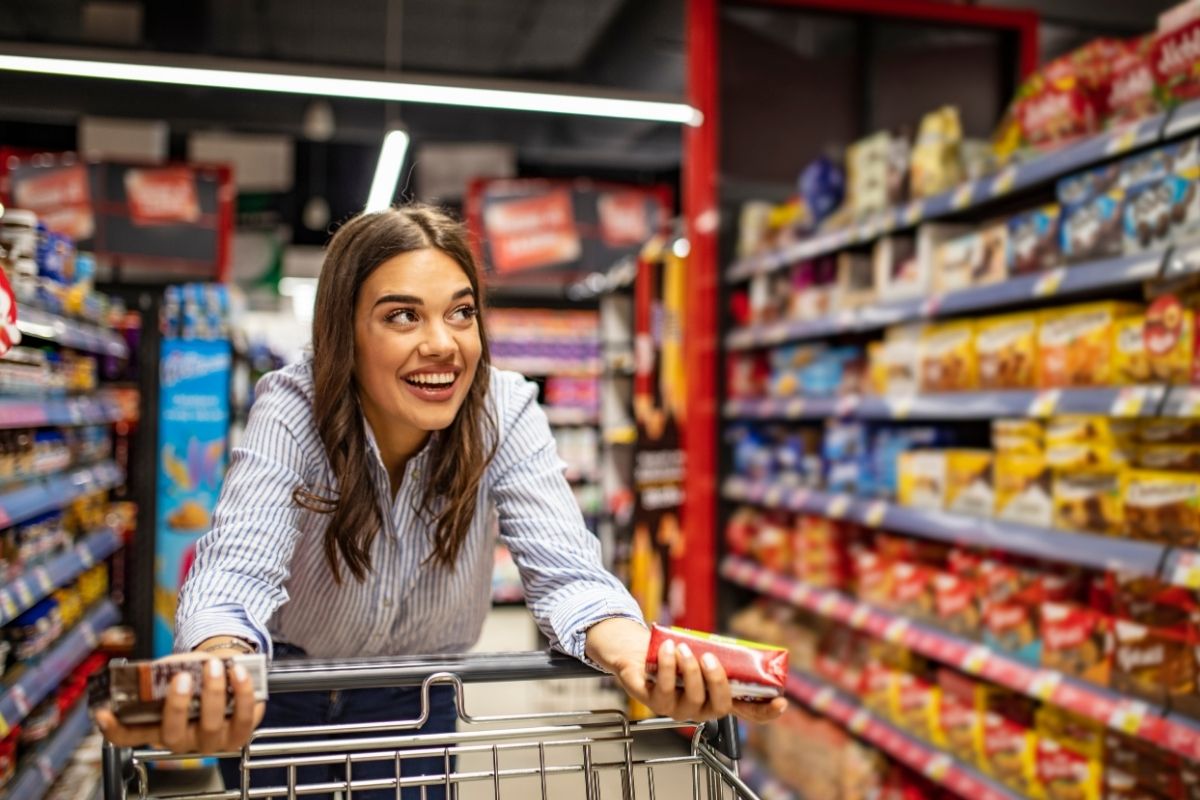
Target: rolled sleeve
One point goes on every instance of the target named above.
(567, 588)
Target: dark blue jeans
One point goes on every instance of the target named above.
(347, 707)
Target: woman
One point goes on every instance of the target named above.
(356, 516)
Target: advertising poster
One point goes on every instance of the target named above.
(193, 429)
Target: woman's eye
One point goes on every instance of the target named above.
(402, 316)
(465, 313)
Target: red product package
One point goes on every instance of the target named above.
(755, 671)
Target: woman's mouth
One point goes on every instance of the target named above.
(434, 386)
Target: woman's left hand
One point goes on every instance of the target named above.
(619, 645)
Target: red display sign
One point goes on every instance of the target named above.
(623, 219)
(61, 198)
(532, 232)
(162, 196)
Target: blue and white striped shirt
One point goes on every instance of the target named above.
(261, 572)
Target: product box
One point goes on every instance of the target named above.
(1089, 501)
(969, 482)
(1139, 764)
(923, 476)
(899, 273)
(1081, 188)
(1076, 641)
(1165, 430)
(1018, 436)
(972, 259)
(1131, 94)
(1168, 457)
(1169, 339)
(1008, 741)
(1070, 750)
(912, 590)
(1076, 344)
(957, 720)
(1023, 490)
(1006, 347)
(1010, 624)
(1095, 229)
(1033, 240)
(1088, 429)
(867, 173)
(1087, 456)
(931, 237)
(955, 607)
(1161, 212)
(900, 359)
(1163, 506)
(1154, 663)
(1146, 168)
(1131, 361)
(913, 703)
(887, 443)
(855, 280)
(947, 357)
(1173, 57)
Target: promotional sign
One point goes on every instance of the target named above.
(526, 233)
(193, 427)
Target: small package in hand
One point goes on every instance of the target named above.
(755, 671)
(135, 690)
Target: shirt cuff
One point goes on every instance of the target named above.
(223, 620)
(573, 615)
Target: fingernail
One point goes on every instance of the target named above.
(239, 673)
(215, 668)
(710, 661)
(684, 650)
(183, 683)
(669, 647)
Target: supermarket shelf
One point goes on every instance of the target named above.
(1124, 401)
(39, 676)
(48, 494)
(22, 593)
(1093, 551)
(1059, 283)
(1126, 714)
(549, 367)
(43, 768)
(32, 412)
(764, 784)
(935, 764)
(71, 333)
(968, 196)
(570, 417)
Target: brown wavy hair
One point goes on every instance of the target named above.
(460, 453)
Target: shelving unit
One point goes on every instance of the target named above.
(70, 333)
(758, 778)
(49, 761)
(22, 592)
(48, 494)
(1128, 715)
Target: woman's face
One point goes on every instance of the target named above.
(416, 341)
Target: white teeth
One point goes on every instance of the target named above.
(430, 378)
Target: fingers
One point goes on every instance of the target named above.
(662, 697)
(759, 712)
(720, 700)
(242, 723)
(694, 693)
(176, 734)
(125, 735)
(211, 730)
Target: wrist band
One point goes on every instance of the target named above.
(233, 642)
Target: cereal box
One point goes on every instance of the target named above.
(947, 357)
(1076, 344)
(1023, 489)
(1006, 347)
(1089, 501)
(969, 482)
(1163, 506)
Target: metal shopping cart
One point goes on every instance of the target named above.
(587, 754)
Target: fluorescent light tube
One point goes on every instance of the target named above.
(387, 171)
(359, 88)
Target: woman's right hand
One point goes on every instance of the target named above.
(212, 732)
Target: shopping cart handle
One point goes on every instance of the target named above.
(307, 675)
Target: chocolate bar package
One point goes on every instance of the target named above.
(135, 690)
(755, 671)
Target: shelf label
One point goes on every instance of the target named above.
(1004, 181)
(931, 305)
(859, 616)
(21, 700)
(46, 769)
(9, 608)
(89, 634)
(913, 212)
(1128, 716)
(826, 604)
(1048, 284)
(823, 699)
(962, 196)
(859, 721)
(773, 496)
(794, 407)
(799, 594)
(799, 499)
(1122, 142)
(1045, 684)
(938, 767)
(24, 594)
(900, 407)
(896, 631)
(1189, 402)
(846, 405)
(43, 578)
(1044, 403)
(4, 729)
(1128, 402)
(875, 514)
(1187, 570)
(838, 506)
(976, 660)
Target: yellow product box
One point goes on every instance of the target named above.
(947, 358)
(1169, 457)
(1006, 347)
(877, 382)
(1077, 344)
(1089, 501)
(1170, 340)
(1087, 455)
(1018, 436)
(1163, 506)
(969, 482)
(1023, 489)
(1081, 429)
(899, 356)
(1164, 430)
(1131, 361)
(922, 479)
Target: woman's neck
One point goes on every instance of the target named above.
(397, 444)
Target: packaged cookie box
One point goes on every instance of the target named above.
(913, 701)
(1018, 437)
(1094, 230)
(1131, 361)
(897, 370)
(1076, 641)
(923, 476)
(1089, 501)
(956, 717)
(1168, 457)
(1161, 212)
(1070, 750)
(1006, 348)
(1134, 768)
(969, 482)
(1081, 188)
(947, 357)
(956, 604)
(1155, 663)
(912, 590)
(1163, 506)
(855, 281)
(972, 259)
(1077, 344)
(1023, 490)
(1008, 739)
(899, 272)
(1033, 240)
(1089, 444)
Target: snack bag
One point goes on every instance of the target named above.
(755, 671)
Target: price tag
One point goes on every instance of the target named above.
(938, 767)
(23, 594)
(1187, 570)
(1047, 285)
(896, 631)
(1004, 181)
(823, 699)
(859, 721)
(976, 659)
(875, 514)
(1188, 403)
(1128, 717)
(838, 506)
(1045, 684)
(85, 556)
(1128, 402)
(931, 305)
(21, 700)
(962, 196)
(773, 496)
(845, 319)
(859, 616)
(89, 635)
(4, 729)
(43, 579)
(1122, 142)
(913, 212)
(846, 405)
(1044, 403)
(46, 769)
(826, 604)
(8, 606)
(900, 407)
(794, 408)
(799, 594)
(799, 499)
(890, 219)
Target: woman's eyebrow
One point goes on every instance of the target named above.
(461, 293)
(407, 299)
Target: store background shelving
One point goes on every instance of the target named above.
(44, 766)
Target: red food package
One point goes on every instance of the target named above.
(755, 671)
(1131, 94)
(1174, 56)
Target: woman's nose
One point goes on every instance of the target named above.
(437, 341)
